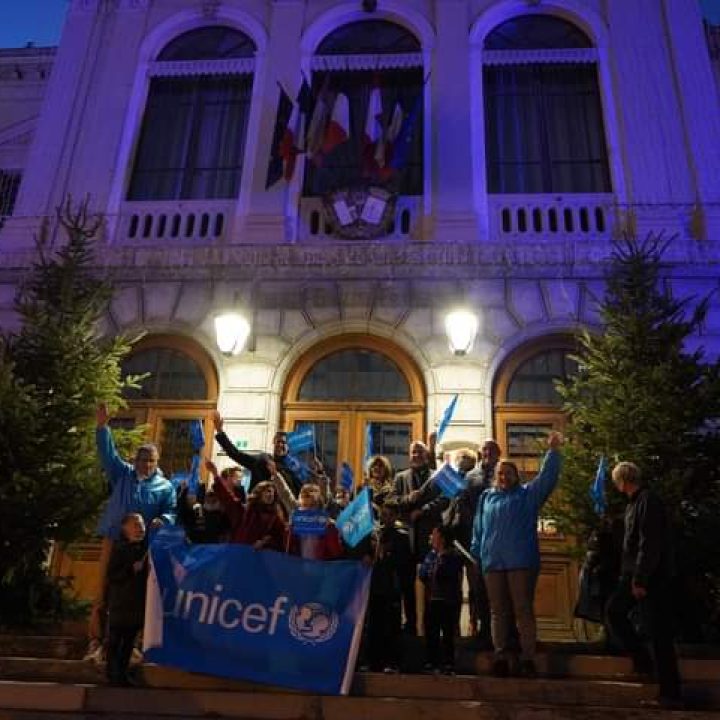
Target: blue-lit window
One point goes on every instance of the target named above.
(193, 133)
(544, 130)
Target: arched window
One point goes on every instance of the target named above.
(543, 115)
(526, 403)
(180, 387)
(368, 75)
(192, 139)
(356, 374)
(363, 395)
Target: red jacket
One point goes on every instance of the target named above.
(252, 522)
(325, 547)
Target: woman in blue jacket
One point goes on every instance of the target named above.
(506, 544)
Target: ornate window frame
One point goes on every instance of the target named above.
(396, 11)
(596, 29)
(148, 67)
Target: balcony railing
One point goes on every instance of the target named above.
(314, 224)
(525, 216)
(174, 221)
(9, 186)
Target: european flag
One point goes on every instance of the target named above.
(597, 489)
(446, 418)
(356, 521)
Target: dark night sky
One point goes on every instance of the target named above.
(40, 21)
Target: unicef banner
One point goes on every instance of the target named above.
(236, 612)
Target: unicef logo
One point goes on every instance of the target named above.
(312, 623)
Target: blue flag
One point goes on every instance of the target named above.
(194, 476)
(309, 522)
(446, 418)
(597, 489)
(297, 468)
(368, 443)
(403, 142)
(282, 620)
(197, 435)
(301, 439)
(356, 521)
(450, 481)
(347, 478)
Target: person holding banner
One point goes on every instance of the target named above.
(505, 541)
(322, 542)
(257, 464)
(259, 522)
(127, 579)
(138, 487)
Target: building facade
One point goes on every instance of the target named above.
(527, 134)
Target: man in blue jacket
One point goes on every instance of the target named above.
(137, 487)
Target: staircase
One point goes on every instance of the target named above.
(43, 678)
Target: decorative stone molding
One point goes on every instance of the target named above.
(529, 57)
(236, 66)
(367, 61)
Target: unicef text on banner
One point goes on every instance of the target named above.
(232, 611)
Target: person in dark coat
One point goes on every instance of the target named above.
(393, 564)
(127, 580)
(647, 570)
(441, 572)
(479, 479)
(421, 507)
(257, 464)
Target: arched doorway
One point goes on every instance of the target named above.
(181, 386)
(526, 407)
(360, 393)
(526, 404)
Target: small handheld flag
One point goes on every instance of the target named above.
(449, 481)
(347, 478)
(356, 521)
(302, 439)
(309, 522)
(597, 489)
(446, 418)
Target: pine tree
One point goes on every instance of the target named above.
(53, 373)
(641, 395)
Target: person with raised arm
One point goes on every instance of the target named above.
(505, 542)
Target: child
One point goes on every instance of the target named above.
(393, 563)
(259, 522)
(127, 579)
(315, 547)
(204, 521)
(441, 572)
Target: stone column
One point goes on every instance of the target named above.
(656, 162)
(265, 222)
(699, 101)
(452, 187)
(45, 176)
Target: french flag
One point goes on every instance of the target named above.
(338, 129)
(386, 149)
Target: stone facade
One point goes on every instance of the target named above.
(661, 111)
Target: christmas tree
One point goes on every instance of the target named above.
(642, 394)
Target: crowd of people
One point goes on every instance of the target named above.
(486, 535)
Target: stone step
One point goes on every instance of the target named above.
(22, 701)
(543, 690)
(64, 647)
